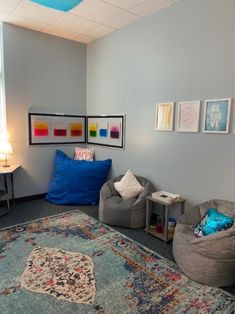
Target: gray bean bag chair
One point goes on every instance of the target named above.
(210, 259)
(114, 210)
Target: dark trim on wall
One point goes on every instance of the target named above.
(24, 199)
(29, 198)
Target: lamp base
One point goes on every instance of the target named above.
(6, 166)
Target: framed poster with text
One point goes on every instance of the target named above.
(216, 115)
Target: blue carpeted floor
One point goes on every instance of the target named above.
(30, 210)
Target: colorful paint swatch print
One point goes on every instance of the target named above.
(76, 129)
(93, 130)
(40, 128)
(60, 129)
(115, 131)
(103, 130)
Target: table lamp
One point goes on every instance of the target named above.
(5, 149)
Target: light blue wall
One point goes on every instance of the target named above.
(43, 73)
(185, 52)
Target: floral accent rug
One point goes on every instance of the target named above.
(129, 278)
(64, 275)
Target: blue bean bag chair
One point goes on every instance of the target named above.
(77, 182)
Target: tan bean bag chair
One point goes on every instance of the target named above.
(210, 259)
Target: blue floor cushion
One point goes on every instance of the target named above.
(77, 182)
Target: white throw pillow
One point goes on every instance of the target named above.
(129, 186)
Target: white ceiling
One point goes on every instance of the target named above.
(90, 20)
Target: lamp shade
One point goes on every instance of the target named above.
(62, 5)
(5, 148)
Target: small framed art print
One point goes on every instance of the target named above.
(188, 116)
(216, 115)
(164, 116)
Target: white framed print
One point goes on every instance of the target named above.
(216, 115)
(188, 116)
(164, 116)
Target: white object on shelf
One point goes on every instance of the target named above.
(165, 196)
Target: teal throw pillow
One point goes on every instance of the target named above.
(213, 222)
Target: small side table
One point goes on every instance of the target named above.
(150, 200)
(8, 171)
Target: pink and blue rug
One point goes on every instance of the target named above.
(71, 263)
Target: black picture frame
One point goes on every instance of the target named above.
(106, 130)
(48, 128)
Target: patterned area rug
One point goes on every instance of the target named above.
(64, 275)
(45, 264)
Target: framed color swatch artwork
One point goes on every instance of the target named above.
(56, 129)
(106, 130)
